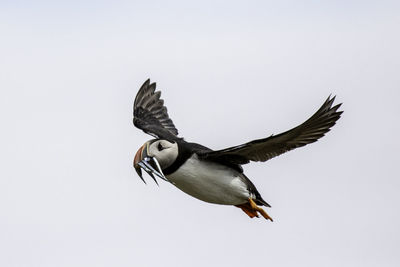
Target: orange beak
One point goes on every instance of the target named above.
(140, 155)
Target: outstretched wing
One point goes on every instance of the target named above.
(267, 148)
(150, 114)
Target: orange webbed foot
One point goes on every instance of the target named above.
(252, 210)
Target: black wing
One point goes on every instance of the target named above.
(267, 148)
(150, 114)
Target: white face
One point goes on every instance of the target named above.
(164, 151)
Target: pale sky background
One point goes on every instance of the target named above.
(230, 72)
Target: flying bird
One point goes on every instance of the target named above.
(215, 176)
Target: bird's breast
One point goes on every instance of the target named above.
(210, 182)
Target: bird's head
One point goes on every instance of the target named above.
(154, 156)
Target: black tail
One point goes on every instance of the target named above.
(253, 190)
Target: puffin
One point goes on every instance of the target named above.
(215, 176)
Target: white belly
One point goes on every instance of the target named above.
(210, 182)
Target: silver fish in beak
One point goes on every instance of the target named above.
(147, 163)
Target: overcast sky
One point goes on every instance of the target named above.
(229, 72)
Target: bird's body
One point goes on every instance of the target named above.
(211, 182)
(215, 176)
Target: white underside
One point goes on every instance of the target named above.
(210, 182)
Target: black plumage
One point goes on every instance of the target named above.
(151, 116)
(267, 148)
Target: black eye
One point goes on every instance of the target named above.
(160, 147)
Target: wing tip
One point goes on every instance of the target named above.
(331, 99)
(148, 105)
